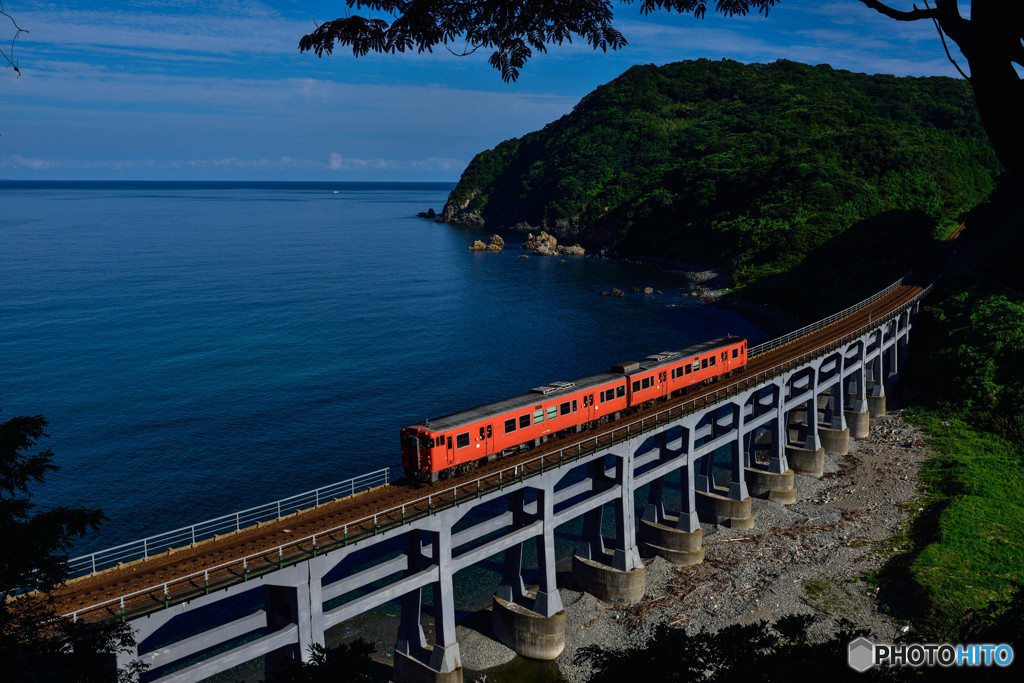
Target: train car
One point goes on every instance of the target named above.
(444, 446)
(448, 445)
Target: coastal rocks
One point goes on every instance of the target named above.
(429, 214)
(614, 292)
(648, 290)
(545, 244)
(467, 218)
(701, 276)
(707, 296)
(493, 245)
(541, 240)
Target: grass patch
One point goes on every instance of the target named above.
(970, 551)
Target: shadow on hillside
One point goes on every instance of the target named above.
(850, 267)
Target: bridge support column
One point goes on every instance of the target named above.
(410, 640)
(537, 631)
(677, 538)
(776, 482)
(808, 458)
(619, 576)
(893, 358)
(856, 412)
(442, 663)
(876, 397)
(294, 596)
(835, 438)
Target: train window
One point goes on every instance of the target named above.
(449, 442)
(574, 405)
(524, 421)
(704, 363)
(688, 368)
(645, 383)
(564, 408)
(430, 443)
(620, 391)
(538, 416)
(488, 431)
(481, 433)
(462, 440)
(510, 425)
(552, 412)
(636, 386)
(735, 353)
(591, 399)
(725, 356)
(712, 360)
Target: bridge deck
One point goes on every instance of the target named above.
(179, 575)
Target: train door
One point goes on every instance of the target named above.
(486, 440)
(449, 452)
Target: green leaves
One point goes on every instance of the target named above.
(33, 640)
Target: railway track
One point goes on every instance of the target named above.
(157, 582)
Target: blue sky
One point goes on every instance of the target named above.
(217, 90)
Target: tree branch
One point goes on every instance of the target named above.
(942, 37)
(9, 56)
(900, 15)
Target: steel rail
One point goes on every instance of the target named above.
(345, 534)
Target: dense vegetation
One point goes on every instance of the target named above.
(35, 644)
(749, 167)
(966, 371)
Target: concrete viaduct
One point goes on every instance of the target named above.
(743, 437)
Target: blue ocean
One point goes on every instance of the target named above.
(200, 348)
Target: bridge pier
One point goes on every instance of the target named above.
(415, 662)
(835, 438)
(774, 482)
(294, 596)
(876, 394)
(532, 626)
(617, 576)
(677, 538)
(856, 412)
(808, 458)
(716, 505)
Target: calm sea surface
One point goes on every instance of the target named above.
(201, 348)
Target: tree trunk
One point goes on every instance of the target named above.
(998, 90)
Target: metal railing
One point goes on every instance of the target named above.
(236, 521)
(273, 558)
(825, 322)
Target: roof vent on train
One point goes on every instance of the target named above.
(553, 387)
(626, 368)
(663, 356)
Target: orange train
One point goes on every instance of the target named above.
(441, 447)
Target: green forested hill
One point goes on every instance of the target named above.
(748, 167)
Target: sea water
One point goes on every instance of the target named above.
(200, 348)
